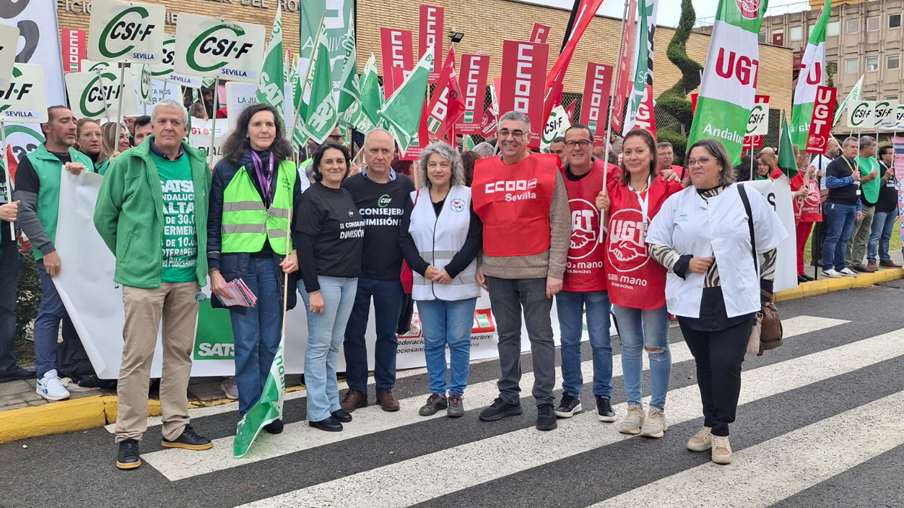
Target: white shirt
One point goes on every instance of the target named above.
(821, 162)
(718, 227)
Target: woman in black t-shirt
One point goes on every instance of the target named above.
(329, 234)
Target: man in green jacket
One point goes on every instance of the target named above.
(38, 180)
(148, 210)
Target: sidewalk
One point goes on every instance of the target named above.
(24, 414)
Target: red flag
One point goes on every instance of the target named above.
(488, 123)
(583, 14)
(570, 110)
(474, 70)
(597, 89)
(397, 50)
(430, 33)
(423, 138)
(539, 34)
(523, 71)
(821, 122)
(447, 103)
(624, 68)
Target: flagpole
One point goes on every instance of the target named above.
(122, 92)
(9, 180)
(751, 160)
(307, 75)
(100, 77)
(621, 40)
(213, 127)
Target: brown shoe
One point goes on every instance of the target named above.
(353, 400)
(862, 269)
(387, 401)
(889, 264)
(872, 265)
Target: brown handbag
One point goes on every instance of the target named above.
(767, 332)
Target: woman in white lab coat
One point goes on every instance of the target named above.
(702, 236)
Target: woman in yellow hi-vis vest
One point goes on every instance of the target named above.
(252, 195)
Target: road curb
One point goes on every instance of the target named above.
(99, 410)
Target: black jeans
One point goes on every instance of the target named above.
(718, 355)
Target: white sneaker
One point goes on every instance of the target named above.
(701, 441)
(831, 272)
(633, 420)
(721, 452)
(655, 424)
(51, 387)
(847, 272)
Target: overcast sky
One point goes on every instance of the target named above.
(670, 10)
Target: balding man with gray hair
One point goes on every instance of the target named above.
(161, 273)
(380, 195)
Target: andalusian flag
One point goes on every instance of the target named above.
(729, 79)
(350, 110)
(812, 75)
(640, 103)
(296, 137)
(320, 116)
(854, 95)
(402, 111)
(371, 95)
(273, 82)
(786, 161)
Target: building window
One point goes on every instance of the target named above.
(833, 28)
(894, 21)
(762, 38)
(893, 62)
(853, 26)
(872, 63)
(797, 33)
(872, 24)
(891, 97)
(851, 65)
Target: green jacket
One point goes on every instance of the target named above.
(129, 215)
(867, 165)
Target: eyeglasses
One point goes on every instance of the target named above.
(503, 134)
(583, 143)
(702, 160)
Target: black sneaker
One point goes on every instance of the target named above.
(434, 403)
(341, 415)
(456, 406)
(189, 440)
(274, 427)
(604, 409)
(569, 406)
(128, 457)
(546, 418)
(499, 409)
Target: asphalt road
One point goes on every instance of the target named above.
(819, 425)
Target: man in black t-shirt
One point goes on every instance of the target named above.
(9, 271)
(380, 195)
(841, 210)
(886, 212)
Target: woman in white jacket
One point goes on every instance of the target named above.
(441, 237)
(715, 282)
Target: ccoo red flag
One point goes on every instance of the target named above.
(447, 103)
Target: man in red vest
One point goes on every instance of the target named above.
(521, 199)
(666, 157)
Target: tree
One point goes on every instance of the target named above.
(674, 101)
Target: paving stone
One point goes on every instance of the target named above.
(13, 387)
(15, 406)
(30, 396)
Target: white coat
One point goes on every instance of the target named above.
(718, 227)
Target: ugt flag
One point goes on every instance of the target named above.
(729, 79)
(812, 75)
(640, 103)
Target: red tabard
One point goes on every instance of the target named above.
(807, 208)
(513, 202)
(634, 278)
(585, 270)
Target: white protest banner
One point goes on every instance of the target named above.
(159, 90)
(899, 118)
(143, 85)
(199, 137)
(558, 122)
(23, 100)
(859, 114)
(9, 40)
(164, 69)
(238, 97)
(758, 124)
(96, 94)
(778, 193)
(218, 48)
(885, 115)
(126, 31)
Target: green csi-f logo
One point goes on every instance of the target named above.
(169, 57)
(220, 41)
(128, 26)
(100, 92)
(16, 90)
(384, 200)
(860, 114)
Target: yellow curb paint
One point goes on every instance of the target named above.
(823, 286)
(53, 418)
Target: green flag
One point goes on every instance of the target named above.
(295, 85)
(786, 160)
(273, 85)
(350, 111)
(267, 409)
(812, 75)
(320, 116)
(370, 93)
(853, 96)
(727, 93)
(402, 112)
(468, 143)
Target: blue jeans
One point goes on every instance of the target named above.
(447, 323)
(325, 332)
(387, 296)
(883, 224)
(570, 306)
(256, 331)
(9, 271)
(840, 220)
(47, 325)
(639, 329)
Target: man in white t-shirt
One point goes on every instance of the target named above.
(821, 162)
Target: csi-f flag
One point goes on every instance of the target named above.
(273, 82)
(320, 116)
(812, 75)
(729, 79)
(402, 111)
(297, 138)
(640, 103)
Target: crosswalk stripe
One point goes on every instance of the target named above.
(296, 437)
(820, 451)
(473, 463)
(798, 325)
